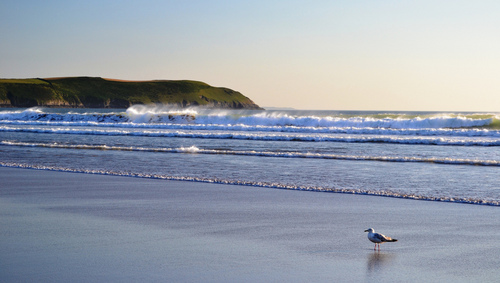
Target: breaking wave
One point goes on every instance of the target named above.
(140, 114)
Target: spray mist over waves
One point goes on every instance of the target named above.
(159, 114)
(144, 114)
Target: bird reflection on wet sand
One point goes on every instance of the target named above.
(376, 261)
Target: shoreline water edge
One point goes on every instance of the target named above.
(252, 184)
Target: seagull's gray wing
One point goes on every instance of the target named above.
(381, 237)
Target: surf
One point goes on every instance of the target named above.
(264, 136)
(141, 114)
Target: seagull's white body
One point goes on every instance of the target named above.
(378, 238)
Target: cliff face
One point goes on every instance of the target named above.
(88, 92)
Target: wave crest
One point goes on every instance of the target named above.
(152, 114)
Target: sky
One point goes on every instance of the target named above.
(320, 55)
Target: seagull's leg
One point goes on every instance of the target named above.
(375, 248)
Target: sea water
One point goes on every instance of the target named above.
(453, 157)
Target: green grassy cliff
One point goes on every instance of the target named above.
(91, 92)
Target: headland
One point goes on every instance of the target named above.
(96, 92)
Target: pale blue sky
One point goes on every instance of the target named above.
(340, 55)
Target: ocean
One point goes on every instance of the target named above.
(433, 156)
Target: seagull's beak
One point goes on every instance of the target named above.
(366, 230)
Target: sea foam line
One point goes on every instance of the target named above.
(459, 132)
(383, 193)
(194, 149)
(421, 140)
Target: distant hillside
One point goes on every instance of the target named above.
(92, 92)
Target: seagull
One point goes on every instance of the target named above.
(378, 238)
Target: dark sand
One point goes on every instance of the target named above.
(68, 227)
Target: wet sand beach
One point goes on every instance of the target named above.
(60, 227)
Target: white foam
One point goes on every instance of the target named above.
(141, 114)
(191, 149)
(158, 114)
(283, 120)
